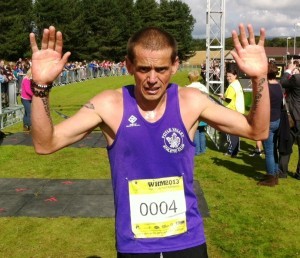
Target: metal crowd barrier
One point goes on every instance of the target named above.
(87, 73)
(10, 112)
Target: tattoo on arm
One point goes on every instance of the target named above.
(259, 91)
(257, 96)
(47, 109)
(89, 105)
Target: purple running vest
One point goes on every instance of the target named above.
(155, 157)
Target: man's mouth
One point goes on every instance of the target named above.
(152, 90)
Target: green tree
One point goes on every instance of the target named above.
(176, 18)
(76, 30)
(128, 21)
(105, 32)
(198, 44)
(51, 13)
(99, 29)
(15, 24)
(66, 16)
(276, 42)
(147, 12)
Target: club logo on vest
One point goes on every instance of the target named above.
(132, 119)
(173, 140)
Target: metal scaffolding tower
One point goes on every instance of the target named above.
(215, 46)
(215, 57)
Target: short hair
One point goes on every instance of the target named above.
(232, 71)
(151, 38)
(272, 71)
(194, 76)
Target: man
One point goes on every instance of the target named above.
(290, 81)
(149, 128)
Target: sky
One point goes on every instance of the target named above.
(278, 17)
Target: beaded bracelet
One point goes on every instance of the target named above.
(41, 86)
(40, 90)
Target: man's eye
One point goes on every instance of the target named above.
(161, 70)
(144, 69)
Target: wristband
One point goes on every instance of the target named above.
(40, 90)
(41, 86)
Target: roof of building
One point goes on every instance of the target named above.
(272, 52)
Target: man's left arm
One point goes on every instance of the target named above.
(252, 60)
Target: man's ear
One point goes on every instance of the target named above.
(129, 65)
(175, 65)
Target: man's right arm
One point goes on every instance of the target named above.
(47, 63)
(48, 138)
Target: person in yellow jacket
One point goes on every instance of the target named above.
(234, 99)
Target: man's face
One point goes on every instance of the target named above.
(152, 71)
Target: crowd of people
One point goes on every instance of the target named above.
(213, 71)
(284, 127)
(11, 72)
(18, 75)
(77, 71)
(80, 71)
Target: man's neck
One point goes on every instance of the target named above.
(152, 110)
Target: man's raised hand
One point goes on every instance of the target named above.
(47, 62)
(250, 57)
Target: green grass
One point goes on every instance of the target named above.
(246, 220)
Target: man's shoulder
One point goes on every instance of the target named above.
(190, 93)
(109, 95)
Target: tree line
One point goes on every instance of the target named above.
(98, 29)
(92, 29)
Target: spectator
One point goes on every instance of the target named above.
(200, 139)
(203, 71)
(234, 98)
(4, 85)
(19, 74)
(270, 144)
(291, 83)
(26, 98)
(285, 140)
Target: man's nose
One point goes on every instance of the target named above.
(152, 77)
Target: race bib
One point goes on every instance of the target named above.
(157, 207)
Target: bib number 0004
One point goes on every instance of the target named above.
(157, 207)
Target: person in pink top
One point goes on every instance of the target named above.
(26, 97)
